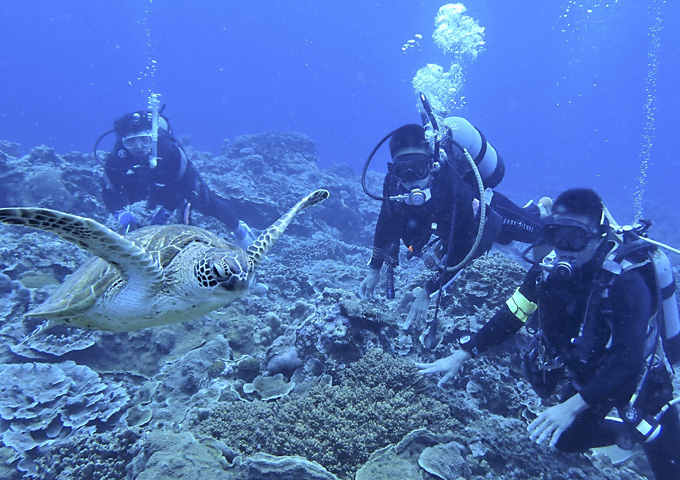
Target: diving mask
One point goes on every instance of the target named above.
(411, 166)
(569, 235)
(138, 140)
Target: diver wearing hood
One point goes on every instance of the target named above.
(168, 181)
(424, 197)
(596, 308)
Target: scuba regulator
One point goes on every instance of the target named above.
(415, 197)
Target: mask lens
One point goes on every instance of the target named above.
(411, 166)
(572, 238)
(142, 140)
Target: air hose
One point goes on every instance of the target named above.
(482, 215)
(429, 339)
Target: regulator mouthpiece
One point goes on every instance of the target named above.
(563, 270)
(415, 197)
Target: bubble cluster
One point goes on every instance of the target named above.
(457, 33)
(147, 75)
(460, 36)
(442, 88)
(412, 42)
(578, 14)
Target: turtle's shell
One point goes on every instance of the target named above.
(97, 278)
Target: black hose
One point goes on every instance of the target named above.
(368, 162)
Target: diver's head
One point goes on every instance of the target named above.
(134, 131)
(411, 158)
(577, 226)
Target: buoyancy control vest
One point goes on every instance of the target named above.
(663, 329)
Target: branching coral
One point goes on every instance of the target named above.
(378, 400)
(104, 456)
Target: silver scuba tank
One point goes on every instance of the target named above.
(489, 162)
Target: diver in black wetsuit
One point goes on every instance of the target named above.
(423, 195)
(598, 340)
(168, 182)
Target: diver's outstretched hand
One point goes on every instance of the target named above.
(368, 284)
(418, 309)
(449, 366)
(551, 423)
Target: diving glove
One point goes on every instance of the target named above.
(126, 219)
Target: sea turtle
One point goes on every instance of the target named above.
(155, 276)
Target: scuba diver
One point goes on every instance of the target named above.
(426, 196)
(602, 310)
(148, 163)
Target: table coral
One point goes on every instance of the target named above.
(43, 403)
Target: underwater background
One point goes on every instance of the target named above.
(272, 100)
(559, 89)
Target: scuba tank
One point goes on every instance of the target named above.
(464, 135)
(668, 308)
(668, 315)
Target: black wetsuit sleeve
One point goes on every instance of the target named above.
(504, 323)
(206, 201)
(388, 230)
(113, 200)
(632, 307)
(518, 224)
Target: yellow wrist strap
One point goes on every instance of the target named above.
(520, 306)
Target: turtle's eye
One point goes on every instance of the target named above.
(219, 271)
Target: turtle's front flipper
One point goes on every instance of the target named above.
(133, 261)
(259, 248)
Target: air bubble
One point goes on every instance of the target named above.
(654, 10)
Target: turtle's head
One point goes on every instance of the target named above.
(224, 270)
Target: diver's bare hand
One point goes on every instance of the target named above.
(418, 309)
(449, 366)
(551, 423)
(368, 284)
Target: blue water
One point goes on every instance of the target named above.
(559, 91)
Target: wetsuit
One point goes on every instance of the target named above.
(606, 373)
(415, 225)
(174, 181)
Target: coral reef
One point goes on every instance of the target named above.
(377, 400)
(300, 379)
(41, 403)
(102, 456)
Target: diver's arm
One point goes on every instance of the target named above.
(509, 319)
(388, 230)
